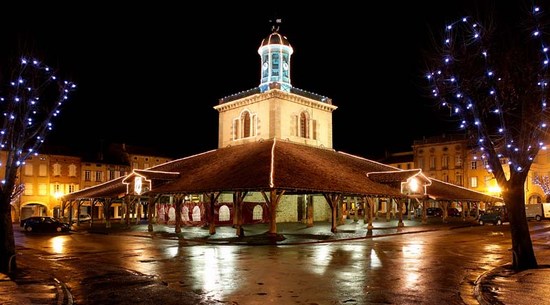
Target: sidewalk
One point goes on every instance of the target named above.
(527, 287)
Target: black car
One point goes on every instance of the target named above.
(434, 212)
(44, 224)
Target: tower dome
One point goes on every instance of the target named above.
(275, 52)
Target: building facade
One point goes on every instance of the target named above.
(45, 177)
(450, 158)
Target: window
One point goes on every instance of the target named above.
(146, 165)
(56, 189)
(245, 119)
(257, 212)
(98, 176)
(87, 175)
(72, 188)
(28, 169)
(57, 169)
(458, 179)
(28, 189)
(304, 125)
(42, 170)
(134, 165)
(473, 165)
(458, 160)
(445, 161)
(42, 189)
(473, 181)
(224, 213)
(420, 162)
(445, 177)
(72, 170)
(184, 214)
(111, 174)
(245, 125)
(196, 214)
(432, 162)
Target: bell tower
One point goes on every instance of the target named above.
(275, 109)
(275, 52)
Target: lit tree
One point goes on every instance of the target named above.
(494, 81)
(29, 103)
(544, 183)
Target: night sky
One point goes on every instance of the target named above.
(149, 74)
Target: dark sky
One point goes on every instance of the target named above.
(150, 74)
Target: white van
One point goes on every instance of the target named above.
(537, 211)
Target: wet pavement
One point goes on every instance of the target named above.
(498, 286)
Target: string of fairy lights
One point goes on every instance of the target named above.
(32, 100)
(480, 112)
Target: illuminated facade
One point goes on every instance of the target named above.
(46, 177)
(449, 158)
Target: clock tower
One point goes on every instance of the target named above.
(275, 52)
(275, 109)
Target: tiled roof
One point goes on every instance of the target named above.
(440, 190)
(282, 165)
(396, 176)
(113, 189)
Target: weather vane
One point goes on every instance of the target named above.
(275, 23)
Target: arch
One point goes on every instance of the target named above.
(196, 214)
(257, 212)
(33, 209)
(245, 123)
(303, 129)
(224, 214)
(185, 213)
(534, 198)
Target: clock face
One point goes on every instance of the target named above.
(265, 65)
(137, 185)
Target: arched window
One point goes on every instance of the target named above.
(196, 214)
(304, 125)
(224, 214)
(72, 170)
(185, 213)
(257, 213)
(245, 123)
(57, 169)
(172, 214)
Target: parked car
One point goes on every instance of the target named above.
(44, 224)
(453, 212)
(495, 215)
(84, 218)
(434, 212)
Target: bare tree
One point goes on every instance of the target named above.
(494, 81)
(29, 103)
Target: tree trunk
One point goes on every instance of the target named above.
(7, 248)
(523, 255)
